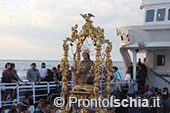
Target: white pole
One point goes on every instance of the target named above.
(134, 64)
(17, 93)
(48, 86)
(33, 90)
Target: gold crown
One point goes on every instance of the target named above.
(86, 51)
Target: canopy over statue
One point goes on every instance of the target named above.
(86, 72)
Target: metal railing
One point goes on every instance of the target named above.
(162, 77)
(43, 89)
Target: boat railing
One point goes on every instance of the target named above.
(162, 76)
(38, 90)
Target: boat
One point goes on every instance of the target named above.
(70, 88)
(152, 39)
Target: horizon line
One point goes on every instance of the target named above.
(1, 59)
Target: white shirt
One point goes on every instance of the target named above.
(127, 77)
(31, 109)
(42, 72)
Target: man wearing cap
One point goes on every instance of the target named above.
(33, 74)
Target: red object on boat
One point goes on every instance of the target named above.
(144, 88)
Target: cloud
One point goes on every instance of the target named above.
(15, 43)
(47, 13)
(23, 47)
(37, 25)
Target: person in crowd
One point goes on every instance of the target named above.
(59, 73)
(17, 78)
(126, 79)
(142, 73)
(139, 61)
(8, 76)
(117, 74)
(7, 65)
(33, 74)
(46, 108)
(162, 108)
(167, 104)
(42, 70)
(160, 90)
(56, 79)
(111, 109)
(150, 92)
(55, 109)
(50, 98)
(58, 68)
(144, 61)
(39, 106)
(130, 70)
(55, 75)
(13, 110)
(156, 90)
(117, 93)
(24, 109)
(28, 99)
(18, 106)
(165, 92)
(121, 109)
(128, 76)
(151, 103)
(48, 77)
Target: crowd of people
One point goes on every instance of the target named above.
(9, 74)
(44, 74)
(149, 93)
(45, 105)
(141, 89)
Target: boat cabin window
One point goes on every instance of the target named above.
(160, 60)
(169, 14)
(160, 15)
(150, 15)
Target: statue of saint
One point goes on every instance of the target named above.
(86, 69)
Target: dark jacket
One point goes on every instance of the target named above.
(48, 78)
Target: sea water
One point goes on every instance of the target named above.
(23, 65)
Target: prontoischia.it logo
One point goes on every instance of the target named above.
(112, 102)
